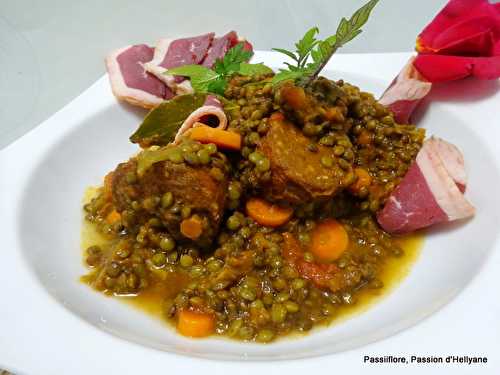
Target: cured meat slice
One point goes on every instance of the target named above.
(430, 193)
(211, 113)
(221, 45)
(219, 48)
(170, 53)
(405, 92)
(129, 80)
(453, 160)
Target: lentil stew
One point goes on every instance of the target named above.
(266, 240)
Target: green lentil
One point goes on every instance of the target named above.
(159, 259)
(263, 164)
(298, 284)
(233, 222)
(113, 269)
(175, 156)
(264, 335)
(167, 243)
(308, 257)
(291, 306)
(211, 148)
(327, 161)
(167, 199)
(203, 156)
(186, 261)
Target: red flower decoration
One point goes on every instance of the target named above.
(462, 40)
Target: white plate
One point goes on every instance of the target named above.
(52, 324)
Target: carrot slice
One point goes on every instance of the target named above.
(365, 138)
(277, 116)
(113, 217)
(192, 227)
(221, 138)
(108, 186)
(320, 274)
(294, 96)
(268, 214)
(195, 324)
(329, 240)
(364, 179)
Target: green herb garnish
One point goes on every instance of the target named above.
(320, 51)
(215, 80)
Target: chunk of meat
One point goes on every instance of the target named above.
(129, 80)
(430, 193)
(405, 92)
(173, 53)
(211, 113)
(192, 187)
(297, 173)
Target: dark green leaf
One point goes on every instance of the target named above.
(331, 40)
(307, 43)
(353, 35)
(353, 26)
(285, 52)
(200, 76)
(217, 86)
(321, 51)
(232, 60)
(238, 54)
(197, 71)
(360, 17)
(219, 66)
(317, 56)
(346, 31)
(162, 123)
(325, 48)
(253, 69)
(291, 67)
(342, 29)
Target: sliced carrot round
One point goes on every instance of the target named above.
(108, 186)
(277, 116)
(268, 214)
(294, 96)
(365, 138)
(113, 217)
(195, 324)
(364, 179)
(192, 227)
(329, 240)
(221, 138)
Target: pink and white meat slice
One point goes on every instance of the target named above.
(136, 71)
(130, 82)
(405, 92)
(203, 49)
(173, 53)
(430, 193)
